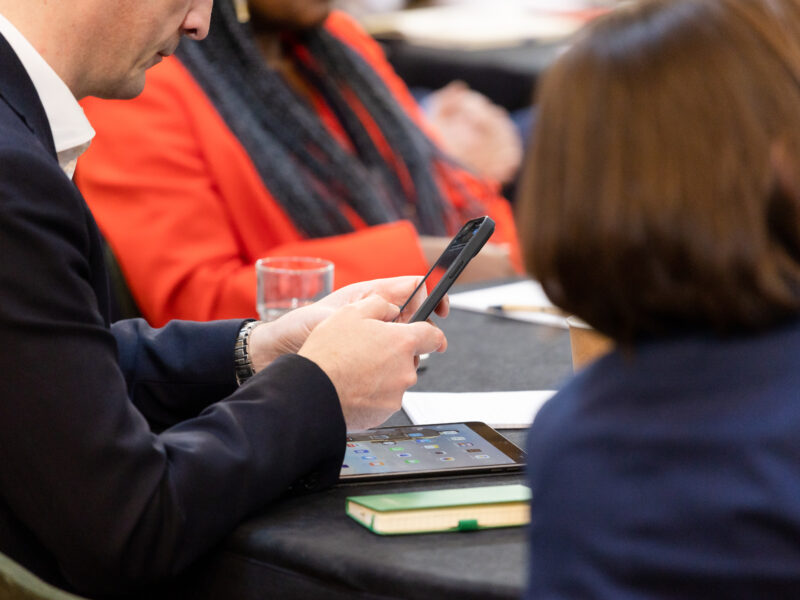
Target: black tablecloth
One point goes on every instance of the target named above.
(505, 75)
(306, 547)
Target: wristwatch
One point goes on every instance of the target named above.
(243, 366)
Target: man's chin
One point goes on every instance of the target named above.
(123, 90)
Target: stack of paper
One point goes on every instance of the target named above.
(471, 27)
(501, 410)
(522, 295)
(576, 9)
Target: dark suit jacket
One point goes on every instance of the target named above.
(671, 472)
(90, 497)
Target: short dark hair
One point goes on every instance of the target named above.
(650, 204)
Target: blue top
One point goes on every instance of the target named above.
(671, 472)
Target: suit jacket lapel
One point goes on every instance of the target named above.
(18, 91)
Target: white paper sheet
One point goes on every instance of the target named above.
(472, 28)
(501, 410)
(521, 293)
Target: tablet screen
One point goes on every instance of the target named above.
(428, 449)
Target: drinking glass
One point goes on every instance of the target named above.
(286, 283)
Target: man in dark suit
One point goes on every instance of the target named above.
(126, 452)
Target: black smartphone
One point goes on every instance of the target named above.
(461, 249)
(428, 450)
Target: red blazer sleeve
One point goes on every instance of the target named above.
(187, 214)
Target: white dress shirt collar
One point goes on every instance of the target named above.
(71, 129)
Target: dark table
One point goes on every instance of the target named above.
(306, 547)
(506, 75)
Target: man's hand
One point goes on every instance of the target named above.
(287, 334)
(370, 360)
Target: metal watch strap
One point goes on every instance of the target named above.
(243, 366)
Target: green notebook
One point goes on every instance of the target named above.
(461, 509)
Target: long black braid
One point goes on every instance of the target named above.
(306, 170)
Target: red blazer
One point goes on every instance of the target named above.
(187, 214)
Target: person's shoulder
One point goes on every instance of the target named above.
(559, 409)
(27, 165)
(14, 132)
(38, 202)
(340, 23)
(576, 403)
(347, 29)
(21, 151)
(29, 170)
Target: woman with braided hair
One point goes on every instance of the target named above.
(285, 133)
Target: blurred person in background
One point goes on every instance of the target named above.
(470, 127)
(285, 133)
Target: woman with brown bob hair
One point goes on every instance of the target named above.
(661, 204)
